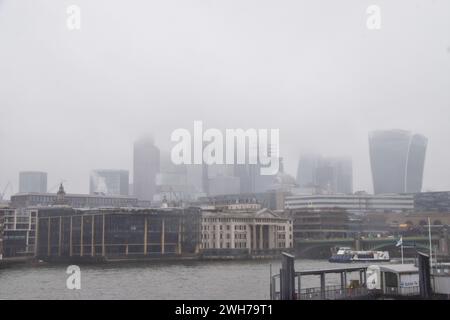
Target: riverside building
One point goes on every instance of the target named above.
(244, 229)
(117, 233)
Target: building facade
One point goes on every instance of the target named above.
(146, 165)
(122, 233)
(432, 201)
(19, 231)
(109, 182)
(355, 203)
(320, 223)
(32, 181)
(397, 159)
(73, 200)
(244, 229)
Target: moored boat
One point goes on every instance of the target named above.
(347, 255)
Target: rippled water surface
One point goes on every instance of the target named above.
(174, 280)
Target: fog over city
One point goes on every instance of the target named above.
(74, 101)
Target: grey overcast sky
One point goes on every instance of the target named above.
(73, 101)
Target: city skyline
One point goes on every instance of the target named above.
(325, 81)
(313, 170)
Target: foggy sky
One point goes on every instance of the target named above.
(74, 101)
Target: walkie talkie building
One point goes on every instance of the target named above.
(397, 158)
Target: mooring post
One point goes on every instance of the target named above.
(342, 281)
(322, 285)
(424, 275)
(287, 277)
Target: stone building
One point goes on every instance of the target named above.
(244, 229)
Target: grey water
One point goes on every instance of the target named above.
(240, 280)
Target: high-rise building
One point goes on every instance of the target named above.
(325, 174)
(306, 170)
(109, 182)
(146, 165)
(397, 160)
(32, 181)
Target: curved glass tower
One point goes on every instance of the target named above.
(397, 159)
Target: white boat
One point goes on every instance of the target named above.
(347, 255)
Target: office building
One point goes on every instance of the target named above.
(329, 175)
(356, 203)
(397, 159)
(117, 233)
(146, 165)
(32, 181)
(109, 182)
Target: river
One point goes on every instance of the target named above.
(156, 280)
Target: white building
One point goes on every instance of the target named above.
(250, 229)
(357, 203)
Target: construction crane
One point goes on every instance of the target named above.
(2, 195)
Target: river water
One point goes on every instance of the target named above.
(157, 280)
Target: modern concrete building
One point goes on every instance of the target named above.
(32, 181)
(320, 223)
(397, 159)
(117, 233)
(244, 229)
(355, 203)
(109, 182)
(146, 165)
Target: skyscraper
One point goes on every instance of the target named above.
(306, 170)
(325, 174)
(110, 182)
(146, 165)
(397, 160)
(32, 181)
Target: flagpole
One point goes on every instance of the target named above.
(429, 239)
(402, 250)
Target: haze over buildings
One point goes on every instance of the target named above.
(71, 101)
(325, 174)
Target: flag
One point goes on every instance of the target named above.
(399, 242)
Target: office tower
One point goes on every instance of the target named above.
(397, 160)
(109, 182)
(325, 174)
(32, 181)
(416, 162)
(306, 170)
(344, 175)
(146, 165)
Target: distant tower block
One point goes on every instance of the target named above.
(397, 158)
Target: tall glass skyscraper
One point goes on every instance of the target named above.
(397, 158)
(146, 165)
